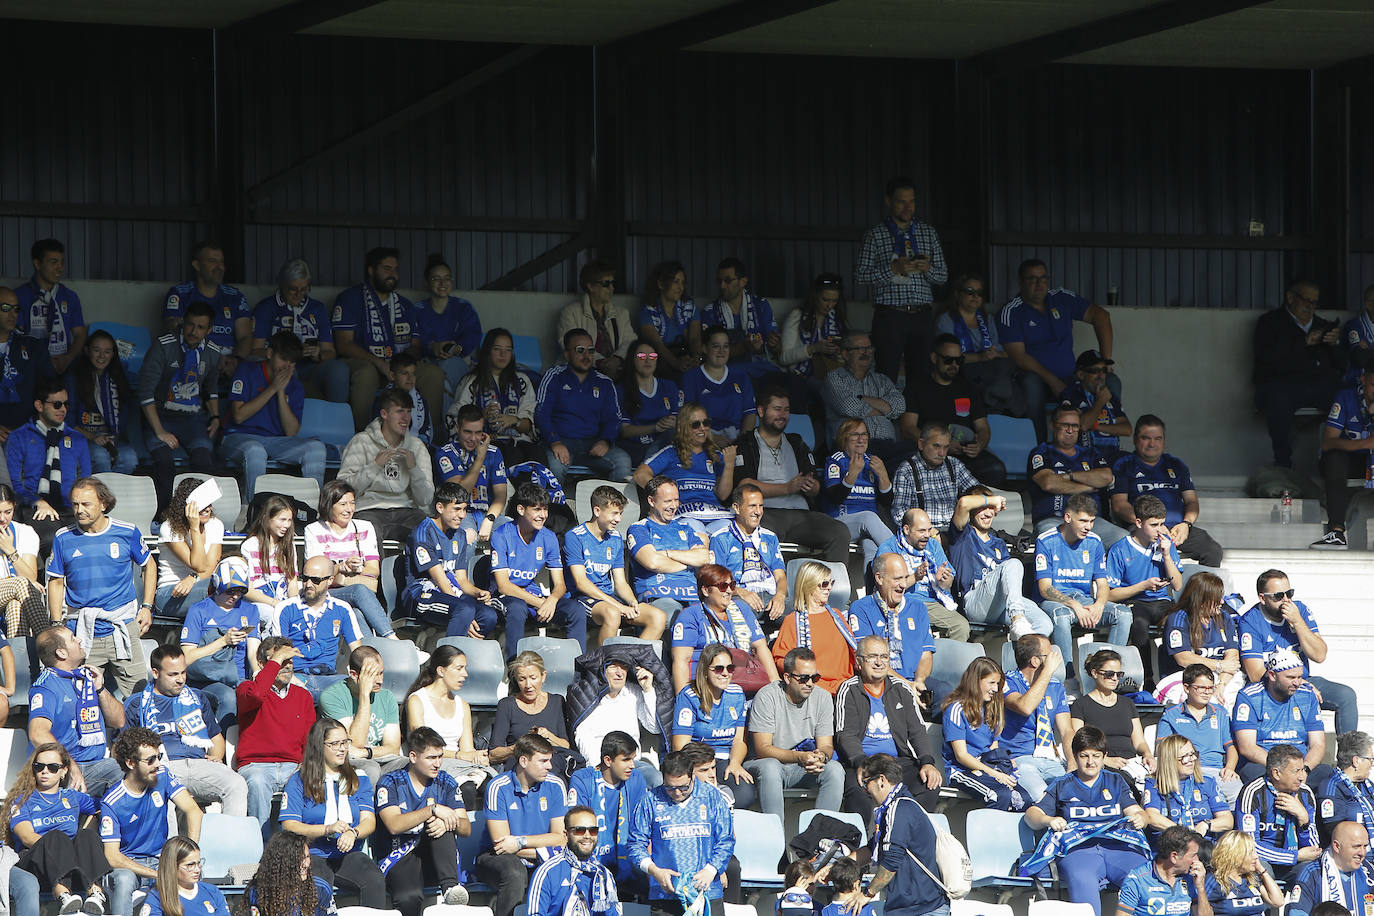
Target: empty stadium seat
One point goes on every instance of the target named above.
(528, 353)
(951, 658)
(388, 583)
(23, 672)
(486, 670)
(558, 656)
(401, 660)
(1000, 842)
(1013, 439)
(331, 423)
(135, 499)
(236, 841)
(801, 424)
(303, 488)
(132, 343)
(758, 846)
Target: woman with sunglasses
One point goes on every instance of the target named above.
(716, 618)
(1239, 884)
(506, 397)
(1201, 632)
(973, 717)
(813, 624)
(283, 884)
(192, 540)
(986, 364)
(20, 594)
(1115, 716)
(353, 546)
(67, 856)
(712, 710)
(330, 804)
(598, 315)
(102, 406)
(1179, 792)
(649, 405)
(704, 472)
(178, 890)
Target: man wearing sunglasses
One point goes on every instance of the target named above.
(1278, 621)
(1101, 420)
(578, 414)
(682, 829)
(944, 393)
(315, 621)
(575, 872)
(23, 363)
(46, 457)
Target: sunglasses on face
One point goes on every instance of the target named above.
(805, 678)
(972, 291)
(150, 760)
(316, 580)
(649, 355)
(1279, 596)
(57, 405)
(678, 790)
(7, 307)
(1109, 675)
(48, 767)
(826, 583)
(723, 669)
(590, 830)
(952, 360)
(701, 424)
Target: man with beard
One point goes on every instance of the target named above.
(232, 322)
(575, 872)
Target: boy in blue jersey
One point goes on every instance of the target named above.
(525, 811)
(474, 461)
(1143, 574)
(682, 831)
(519, 553)
(612, 790)
(50, 312)
(988, 577)
(91, 585)
(752, 553)
(1280, 812)
(1174, 884)
(594, 553)
(1071, 576)
(70, 705)
(666, 551)
(1060, 468)
(438, 589)
(315, 621)
(420, 815)
(1036, 711)
(843, 876)
(722, 390)
(1342, 875)
(576, 872)
(231, 321)
(1281, 709)
(579, 414)
(220, 637)
(138, 815)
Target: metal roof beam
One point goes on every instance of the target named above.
(712, 24)
(294, 17)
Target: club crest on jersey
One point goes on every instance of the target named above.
(157, 798)
(1054, 313)
(702, 812)
(539, 554)
(1172, 475)
(1086, 558)
(543, 803)
(337, 625)
(114, 551)
(737, 391)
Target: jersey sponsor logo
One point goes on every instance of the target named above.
(1328, 808)
(685, 831)
(1083, 812)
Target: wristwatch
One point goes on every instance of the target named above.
(490, 517)
(520, 841)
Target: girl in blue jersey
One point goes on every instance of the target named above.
(664, 316)
(1201, 632)
(1180, 794)
(973, 718)
(853, 480)
(179, 890)
(1239, 885)
(648, 404)
(504, 395)
(283, 885)
(712, 710)
(704, 473)
(53, 827)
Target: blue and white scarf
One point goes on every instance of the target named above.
(604, 898)
(734, 628)
(45, 318)
(966, 342)
(1055, 844)
(152, 719)
(384, 325)
(108, 393)
(183, 392)
(803, 623)
(828, 328)
(904, 244)
(1347, 889)
(9, 375)
(90, 724)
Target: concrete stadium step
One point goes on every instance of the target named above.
(1274, 537)
(1255, 511)
(1318, 575)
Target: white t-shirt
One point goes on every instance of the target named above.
(170, 569)
(25, 543)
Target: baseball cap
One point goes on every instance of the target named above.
(1092, 358)
(1283, 659)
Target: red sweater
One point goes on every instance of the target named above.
(272, 729)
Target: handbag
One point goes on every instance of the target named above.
(750, 675)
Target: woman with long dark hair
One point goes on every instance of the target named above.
(178, 890)
(986, 364)
(103, 407)
(433, 701)
(664, 315)
(973, 717)
(192, 539)
(504, 395)
(1201, 632)
(283, 884)
(20, 594)
(353, 546)
(649, 405)
(270, 552)
(330, 804)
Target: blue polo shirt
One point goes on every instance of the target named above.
(1259, 635)
(674, 535)
(696, 484)
(458, 323)
(863, 496)
(1048, 335)
(726, 402)
(1071, 568)
(455, 461)
(317, 635)
(61, 809)
(297, 806)
(228, 305)
(1167, 478)
(694, 627)
(1218, 638)
(973, 557)
(1128, 563)
(572, 408)
(250, 380)
(912, 639)
(1210, 735)
(50, 319)
(977, 739)
(524, 812)
(599, 558)
(1193, 803)
(715, 729)
(140, 824)
(1144, 893)
(522, 561)
(382, 327)
(752, 561)
(1051, 505)
(1018, 731)
(95, 567)
(206, 621)
(1275, 722)
(53, 697)
(309, 322)
(1077, 396)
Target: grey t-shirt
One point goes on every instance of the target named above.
(774, 713)
(778, 466)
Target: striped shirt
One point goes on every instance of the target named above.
(358, 540)
(874, 268)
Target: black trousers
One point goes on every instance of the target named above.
(393, 524)
(1145, 614)
(857, 801)
(1337, 468)
(356, 871)
(57, 857)
(1202, 547)
(433, 861)
(902, 334)
(510, 876)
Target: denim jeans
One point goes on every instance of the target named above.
(100, 775)
(997, 598)
(1034, 774)
(614, 465)
(24, 892)
(1116, 621)
(265, 780)
(772, 776)
(124, 461)
(254, 451)
(364, 601)
(123, 883)
(170, 606)
(1340, 699)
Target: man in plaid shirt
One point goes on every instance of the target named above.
(930, 479)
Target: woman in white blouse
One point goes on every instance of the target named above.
(191, 542)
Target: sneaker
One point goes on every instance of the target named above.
(1332, 540)
(456, 896)
(95, 904)
(1020, 626)
(71, 903)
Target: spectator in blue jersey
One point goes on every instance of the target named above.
(1071, 577)
(220, 637)
(519, 552)
(973, 717)
(648, 404)
(69, 705)
(372, 323)
(1278, 621)
(857, 390)
(504, 394)
(932, 576)
(1037, 729)
(1091, 800)
(91, 585)
(266, 403)
(402, 378)
(1202, 632)
(473, 461)
(1347, 439)
(931, 479)
(792, 730)
(231, 323)
(1206, 725)
(594, 554)
(854, 480)
(901, 262)
(903, 838)
(703, 471)
(666, 550)
(664, 315)
(139, 814)
(283, 884)
(712, 709)
(525, 810)
(1102, 422)
(1036, 329)
(23, 362)
(1143, 574)
(438, 589)
(422, 816)
(578, 414)
(1179, 793)
(1149, 469)
(898, 615)
(178, 390)
(940, 393)
(575, 881)
(1281, 709)
(843, 876)
(753, 555)
(747, 319)
(987, 577)
(46, 457)
(177, 889)
(597, 314)
(448, 326)
(53, 828)
(715, 617)
(315, 621)
(1357, 335)
(1279, 810)
(682, 832)
(1346, 795)
(291, 308)
(1173, 884)
(331, 805)
(191, 736)
(1297, 364)
(48, 310)
(103, 407)
(722, 390)
(612, 789)
(1238, 883)
(1060, 469)
(1342, 875)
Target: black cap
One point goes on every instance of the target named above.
(1092, 358)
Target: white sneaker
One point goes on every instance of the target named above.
(1020, 626)
(71, 903)
(456, 896)
(95, 904)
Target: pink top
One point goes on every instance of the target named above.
(358, 540)
(271, 579)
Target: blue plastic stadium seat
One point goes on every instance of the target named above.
(801, 424)
(331, 423)
(527, 352)
(486, 669)
(1013, 439)
(558, 655)
(131, 342)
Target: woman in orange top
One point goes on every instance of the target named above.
(812, 623)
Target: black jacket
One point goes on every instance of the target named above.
(1282, 353)
(589, 684)
(747, 458)
(903, 716)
